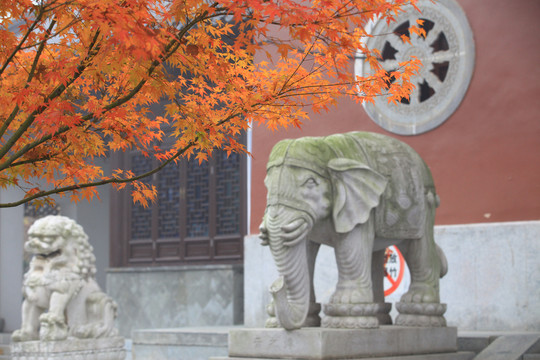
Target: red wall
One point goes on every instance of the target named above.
(486, 157)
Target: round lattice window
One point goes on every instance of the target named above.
(447, 55)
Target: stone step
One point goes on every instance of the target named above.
(180, 343)
(467, 355)
(501, 345)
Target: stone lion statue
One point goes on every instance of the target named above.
(61, 295)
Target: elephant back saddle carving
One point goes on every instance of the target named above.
(402, 211)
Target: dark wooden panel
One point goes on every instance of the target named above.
(168, 250)
(141, 251)
(198, 249)
(228, 248)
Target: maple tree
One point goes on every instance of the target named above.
(78, 79)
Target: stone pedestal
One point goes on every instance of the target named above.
(386, 342)
(80, 349)
(354, 316)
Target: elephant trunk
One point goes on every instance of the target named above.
(291, 290)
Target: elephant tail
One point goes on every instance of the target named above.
(444, 262)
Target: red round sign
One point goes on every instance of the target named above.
(394, 268)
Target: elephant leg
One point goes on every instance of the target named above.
(353, 258)
(313, 319)
(352, 305)
(425, 266)
(420, 305)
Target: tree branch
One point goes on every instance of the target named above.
(170, 49)
(30, 119)
(75, 187)
(23, 40)
(11, 117)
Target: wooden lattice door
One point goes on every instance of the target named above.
(199, 216)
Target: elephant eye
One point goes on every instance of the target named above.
(311, 182)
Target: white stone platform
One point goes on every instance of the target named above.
(80, 349)
(386, 342)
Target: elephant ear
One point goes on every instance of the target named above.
(357, 190)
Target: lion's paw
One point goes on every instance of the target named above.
(51, 318)
(52, 328)
(19, 335)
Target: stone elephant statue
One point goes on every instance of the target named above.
(359, 193)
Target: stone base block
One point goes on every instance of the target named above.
(80, 349)
(448, 356)
(323, 343)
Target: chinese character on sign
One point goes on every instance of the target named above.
(394, 268)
